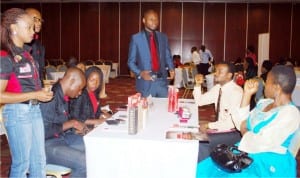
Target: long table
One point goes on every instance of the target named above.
(112, 153)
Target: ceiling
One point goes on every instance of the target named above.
(216, 1)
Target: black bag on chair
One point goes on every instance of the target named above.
(230, 158)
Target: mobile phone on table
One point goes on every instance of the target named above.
(112, 122)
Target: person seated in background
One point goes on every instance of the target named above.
(267, 130)
(196, 57)
(86, 108)
(64, 135)
(177, 61)
(227, 96)
(250, 68)
(286, 61)
(250, 72)
(290, 62)
(73, 62)
(239, 77)
(265, 68)
(250, 53)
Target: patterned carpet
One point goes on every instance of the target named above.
(117, 91)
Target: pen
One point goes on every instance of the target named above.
(187, 126)
(191, 102)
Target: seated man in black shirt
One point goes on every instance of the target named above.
(64, 142)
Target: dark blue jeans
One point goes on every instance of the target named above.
(69, 151)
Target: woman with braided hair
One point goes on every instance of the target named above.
(21, 92)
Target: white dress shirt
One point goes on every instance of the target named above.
(196, 57)
(230, 101)
(204, 56)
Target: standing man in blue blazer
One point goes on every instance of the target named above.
(150, 58)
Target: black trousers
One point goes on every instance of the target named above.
(203, 68)
(229, 138)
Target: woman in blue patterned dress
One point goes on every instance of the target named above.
(267, 129)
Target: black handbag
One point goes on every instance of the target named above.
(230, 158)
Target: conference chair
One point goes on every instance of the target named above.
(61, 68)
(49, 69)
(188, 80)
(113, 72)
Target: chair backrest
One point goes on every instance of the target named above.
(188, 76)
(62, 68)
(49, 69)
(89, 62)
(56, 62)
(110, 63)
(99, 62)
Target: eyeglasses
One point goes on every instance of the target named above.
(36, 19)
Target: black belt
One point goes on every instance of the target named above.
(32, 102)
(156, 75)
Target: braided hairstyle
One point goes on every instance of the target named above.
(9, 17)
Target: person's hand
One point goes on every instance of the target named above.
(105, 115)
(203, 128)
(187, 136)
(43, 95)
(145, 74)
(172, 75)
(199, 79)
(251, 86)
(79, 126)
(99, 121)
(109, 112)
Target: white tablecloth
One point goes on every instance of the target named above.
(112, 153)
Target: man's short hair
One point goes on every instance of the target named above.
(285, 77)
(230, 66)
(148, 12)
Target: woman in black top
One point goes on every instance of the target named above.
(86, 107)
(21, 92)
(250, 68)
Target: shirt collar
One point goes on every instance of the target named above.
(57, 88)
(66, 98)
(148, 33)
(227, 84)
(19, 50)
(36, 36)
